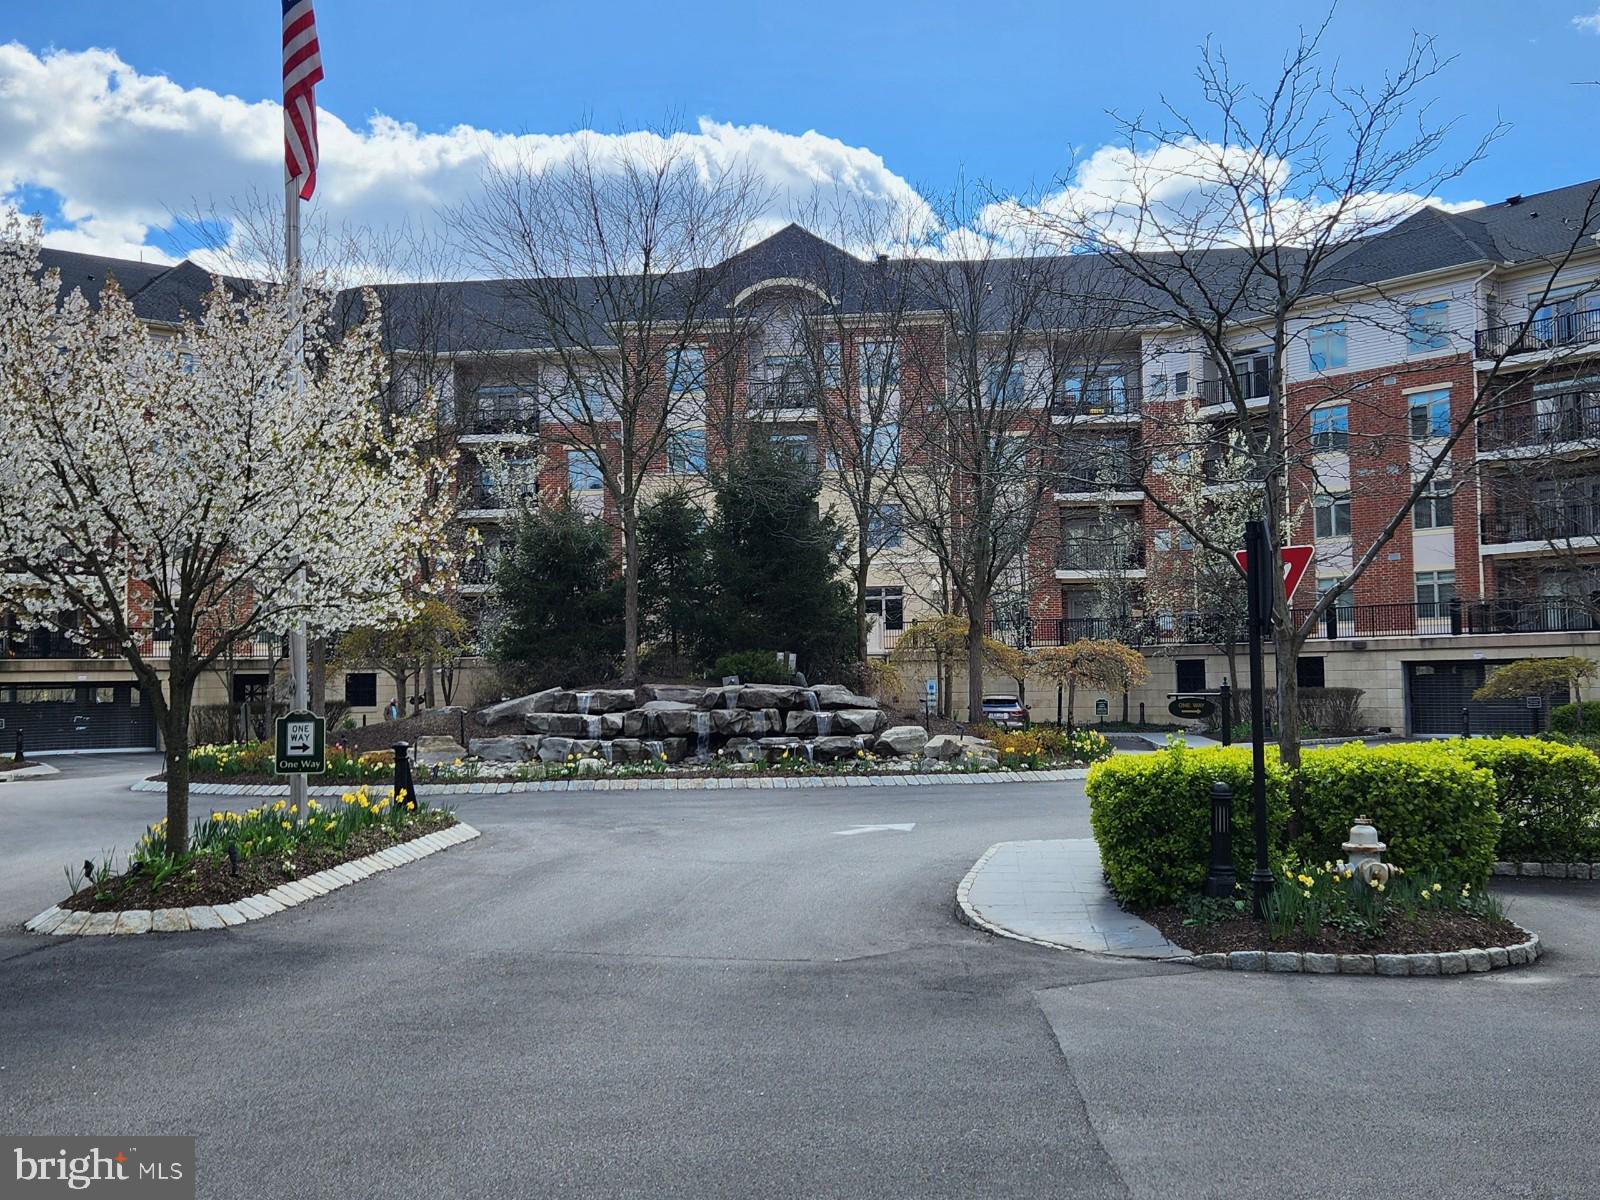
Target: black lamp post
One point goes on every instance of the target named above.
(1262, 559)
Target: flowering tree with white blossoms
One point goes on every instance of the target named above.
(165, 493)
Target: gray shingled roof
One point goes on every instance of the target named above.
(500, 314)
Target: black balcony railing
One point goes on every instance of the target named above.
(785, 392)
(1541, 333)
(496, 419)
(1505, 614)
(1110, 554)
(1111, 474)
(1252, 386)
(1542, 523)
(1551, 420)
(1101, 401)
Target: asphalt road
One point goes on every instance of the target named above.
(714, 994)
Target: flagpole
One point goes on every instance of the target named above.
(300, 701)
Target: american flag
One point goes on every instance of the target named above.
(302, 71)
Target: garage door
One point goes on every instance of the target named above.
(76, 716)
(1440, 690)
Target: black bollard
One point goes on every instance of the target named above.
(1220, 877)
(19, 757)
(1225, 712)
(402, 777)
(1466, 722)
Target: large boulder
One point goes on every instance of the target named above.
(678, 692)
(647, 720)
(521, 706)
(833, 695)
(902, 740)
(513, 749)
(435, 751)
(559, 749)
(565, 724)
(830, 749)
(721, 697)
(603, 701)
(858, 720)
(676, 749)
(611, 725)
(737, 722)
(942, 746)
(763, 695)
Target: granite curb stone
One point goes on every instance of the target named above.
(57, 921)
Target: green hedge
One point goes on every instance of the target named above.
(1548, 796)
(1576, 718)
(1151, 815)
(1435, 809)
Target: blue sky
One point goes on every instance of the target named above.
(1002, 91)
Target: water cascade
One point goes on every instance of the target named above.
(702, 734)
(654, 751)
(824, 722)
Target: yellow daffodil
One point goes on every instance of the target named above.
(1438, 887)
(286, 825)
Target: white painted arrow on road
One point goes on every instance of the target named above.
(906, 828)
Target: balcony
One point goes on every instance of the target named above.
(784, 394)
(1101, 403)
(1556, 419)
(1110, 553)
(1451, 618)
(500, 411)
(1099, 478)
(1541, 523)
(1551, 332)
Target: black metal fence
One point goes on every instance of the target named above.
(1541, 333)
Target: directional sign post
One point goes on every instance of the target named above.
(300, 745)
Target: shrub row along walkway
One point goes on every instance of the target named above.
(487, 788)
(1054, 893)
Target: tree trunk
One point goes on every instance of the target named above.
(974, 667)
(630, 602)
(862, 566)
(1288, 707)
(175, 733)
(1072, 695)
(427, 680)
(1231, 653)
(402, 702)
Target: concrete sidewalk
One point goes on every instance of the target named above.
(1054, 893)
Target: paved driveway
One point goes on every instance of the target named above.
(718, 994)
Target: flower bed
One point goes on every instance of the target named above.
(251, 762)
(1326, 910)
(233, 855)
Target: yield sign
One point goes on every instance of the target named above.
(1293, 559)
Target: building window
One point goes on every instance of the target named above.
(888, 605)
(1180, 383)
(799, 445)
(1435, 590)
(686, 370)
(1432, 509)
(1345, 605)
(1331, 515)
(1330, 428)
(1005, 384)
(832, 365)
(1310, 671)
(361, 689)
(249, 687)
(686, 451)
(880, 366)
(1191, 674)
(583, 473)
(886, 445)
(1252, 373)
(1327, 346)
(1428, 326)
(1161, 541)
(883, 527)
(1430, 415)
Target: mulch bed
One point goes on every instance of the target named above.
(1431, 933)
(12, 764)
(208, 879)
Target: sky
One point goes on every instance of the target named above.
(117, 117)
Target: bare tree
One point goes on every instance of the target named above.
(614, 268)
(979, 445)
(1276, 191)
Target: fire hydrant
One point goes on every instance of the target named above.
(1364, 854)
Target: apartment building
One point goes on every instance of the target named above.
(1484, 323)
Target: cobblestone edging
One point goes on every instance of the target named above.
(1446, 962)
(426, 790)
(60, 922)
(1532, 870)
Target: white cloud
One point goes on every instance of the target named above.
(126, 151)
(1589, 24)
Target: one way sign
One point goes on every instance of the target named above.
(299, 747)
